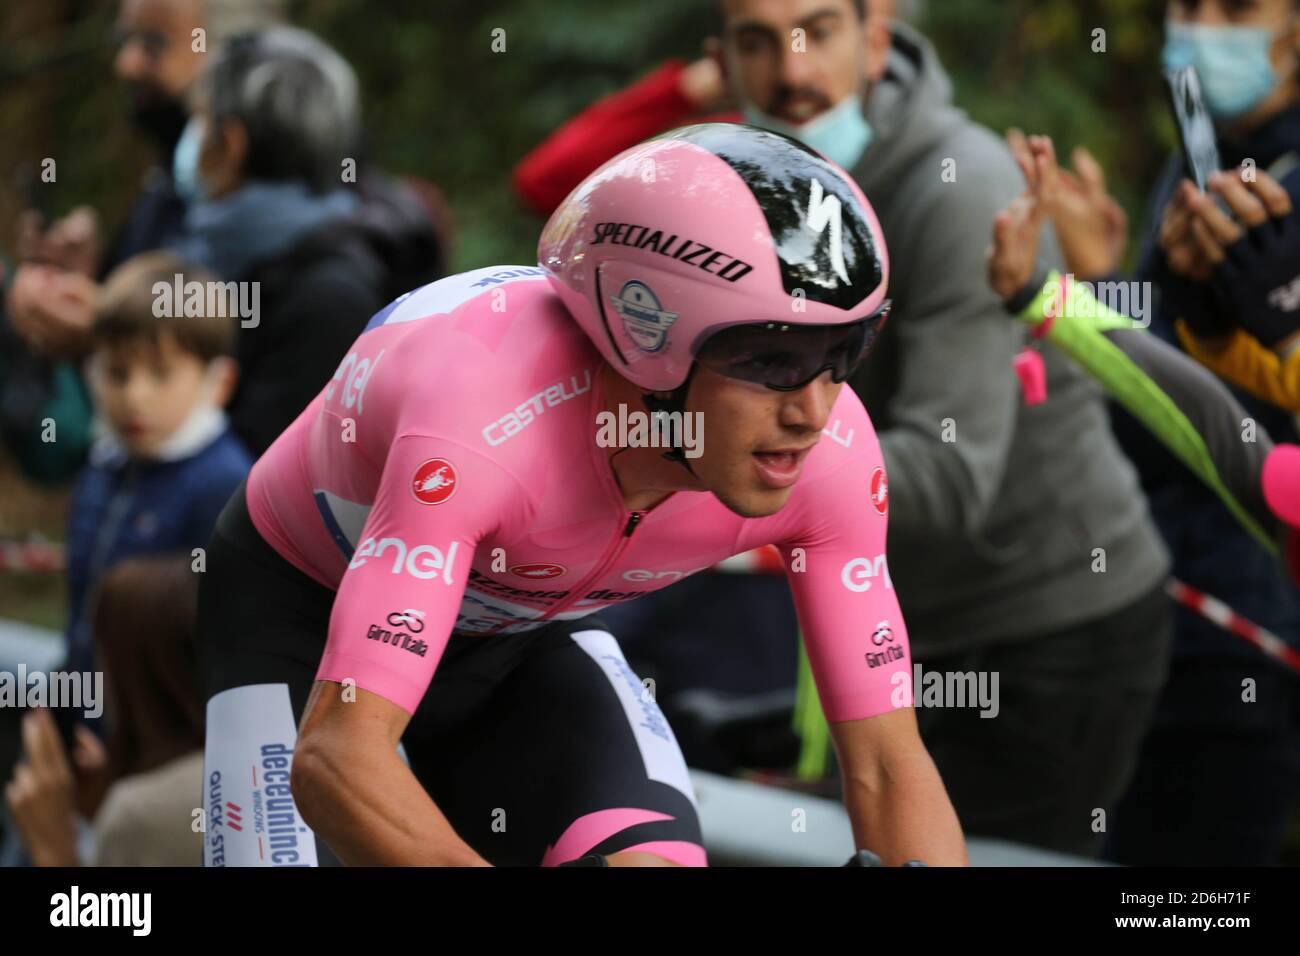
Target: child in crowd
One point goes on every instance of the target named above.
(162, 467)
(165, 461)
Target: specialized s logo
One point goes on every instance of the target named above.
(823, 210)
(643, 315)
(880, 490)
(434, 481)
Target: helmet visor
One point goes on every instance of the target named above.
(787, 357)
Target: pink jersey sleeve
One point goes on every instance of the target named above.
(852, 626)
(398, 599)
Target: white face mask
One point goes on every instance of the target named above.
(1232, 63)
(185, 163)
(841, 134)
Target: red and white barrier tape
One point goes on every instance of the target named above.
(31, 556)
(1218, 613)
(767, 560)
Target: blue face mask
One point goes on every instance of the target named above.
(185, 163)
(841, 133)
(1232, 63)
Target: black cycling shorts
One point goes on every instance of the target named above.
(539, 747)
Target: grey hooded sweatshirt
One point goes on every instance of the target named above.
(1002, 516)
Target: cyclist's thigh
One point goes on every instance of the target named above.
(571, 757)
(260, 619)
(262, 626)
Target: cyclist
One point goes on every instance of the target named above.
(427, 539)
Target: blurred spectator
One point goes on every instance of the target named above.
(164, 465)
(1219, 774)
(145, 819)
(34, 392)
(166, 460)
(673, 94)
(270, 155)
(999, 513)
(49, 300)
(144, 625)
(158, 62)
(1235, 278)
(1269, 374)
(139, 791)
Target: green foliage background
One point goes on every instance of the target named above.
(440, 103)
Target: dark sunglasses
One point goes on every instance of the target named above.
(786, 357)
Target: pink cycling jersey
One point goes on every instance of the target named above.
(448, 478)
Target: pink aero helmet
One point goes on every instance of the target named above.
(708, 227)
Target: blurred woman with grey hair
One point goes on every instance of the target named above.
(275, 117)
(48, 301)
(269, 163)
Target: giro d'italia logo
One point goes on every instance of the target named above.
(434, 481)
(880, 490)
(643, 315)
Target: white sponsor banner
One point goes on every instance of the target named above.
(250, 816)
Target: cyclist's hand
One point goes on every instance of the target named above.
(864, 858)
(867, 858)
(41, 794)
(1090, 225)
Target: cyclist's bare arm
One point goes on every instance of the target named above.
(896, 801)
(353, 789)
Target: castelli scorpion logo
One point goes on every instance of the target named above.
(434, 481)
